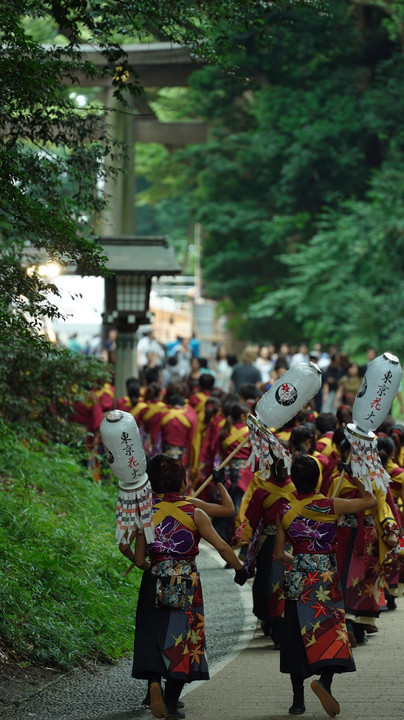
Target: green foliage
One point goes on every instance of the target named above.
(39, 384)
(49, 164)
(394, 17)
(64, 601)
(345, 286)
(299, 140)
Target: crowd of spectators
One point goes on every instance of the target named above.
(258, 365)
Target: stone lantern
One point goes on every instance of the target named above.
(134, 261)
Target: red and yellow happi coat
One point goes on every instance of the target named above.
(198, 402)
(238, 468)
(178, 425)
(151, 419)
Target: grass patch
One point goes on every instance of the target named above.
(62, 596)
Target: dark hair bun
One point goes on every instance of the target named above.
(166, 474)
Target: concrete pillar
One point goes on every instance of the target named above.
(126, 360)
(118, 220)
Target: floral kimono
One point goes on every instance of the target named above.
(170, 628)
(314, 606)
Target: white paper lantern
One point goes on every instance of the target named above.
(124, 449)
(126, 456)
(375, 396)
(284, 399)
(289, 394)
(372, 404)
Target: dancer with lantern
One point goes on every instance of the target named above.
(167, 527)
(366, 541)
(170, 630)
(314, 638)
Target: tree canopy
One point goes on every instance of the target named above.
(298, 186)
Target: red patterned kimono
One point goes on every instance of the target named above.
(170, 628)
(314, 607)
(209, 455)
(395, 578)
(362, 555)
(239, 470)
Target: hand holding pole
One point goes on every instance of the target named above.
(222, 465)
(341, 477)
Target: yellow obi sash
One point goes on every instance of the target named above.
(153, 409)
(138, 407)
(176, 414)
(202, 402)
(235, 436)
(298, 507)
(277, 493)
(164, 508)
(105, 390)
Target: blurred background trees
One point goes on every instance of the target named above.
(299, 186)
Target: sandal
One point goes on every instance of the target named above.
(157, 704)
(328, 702)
